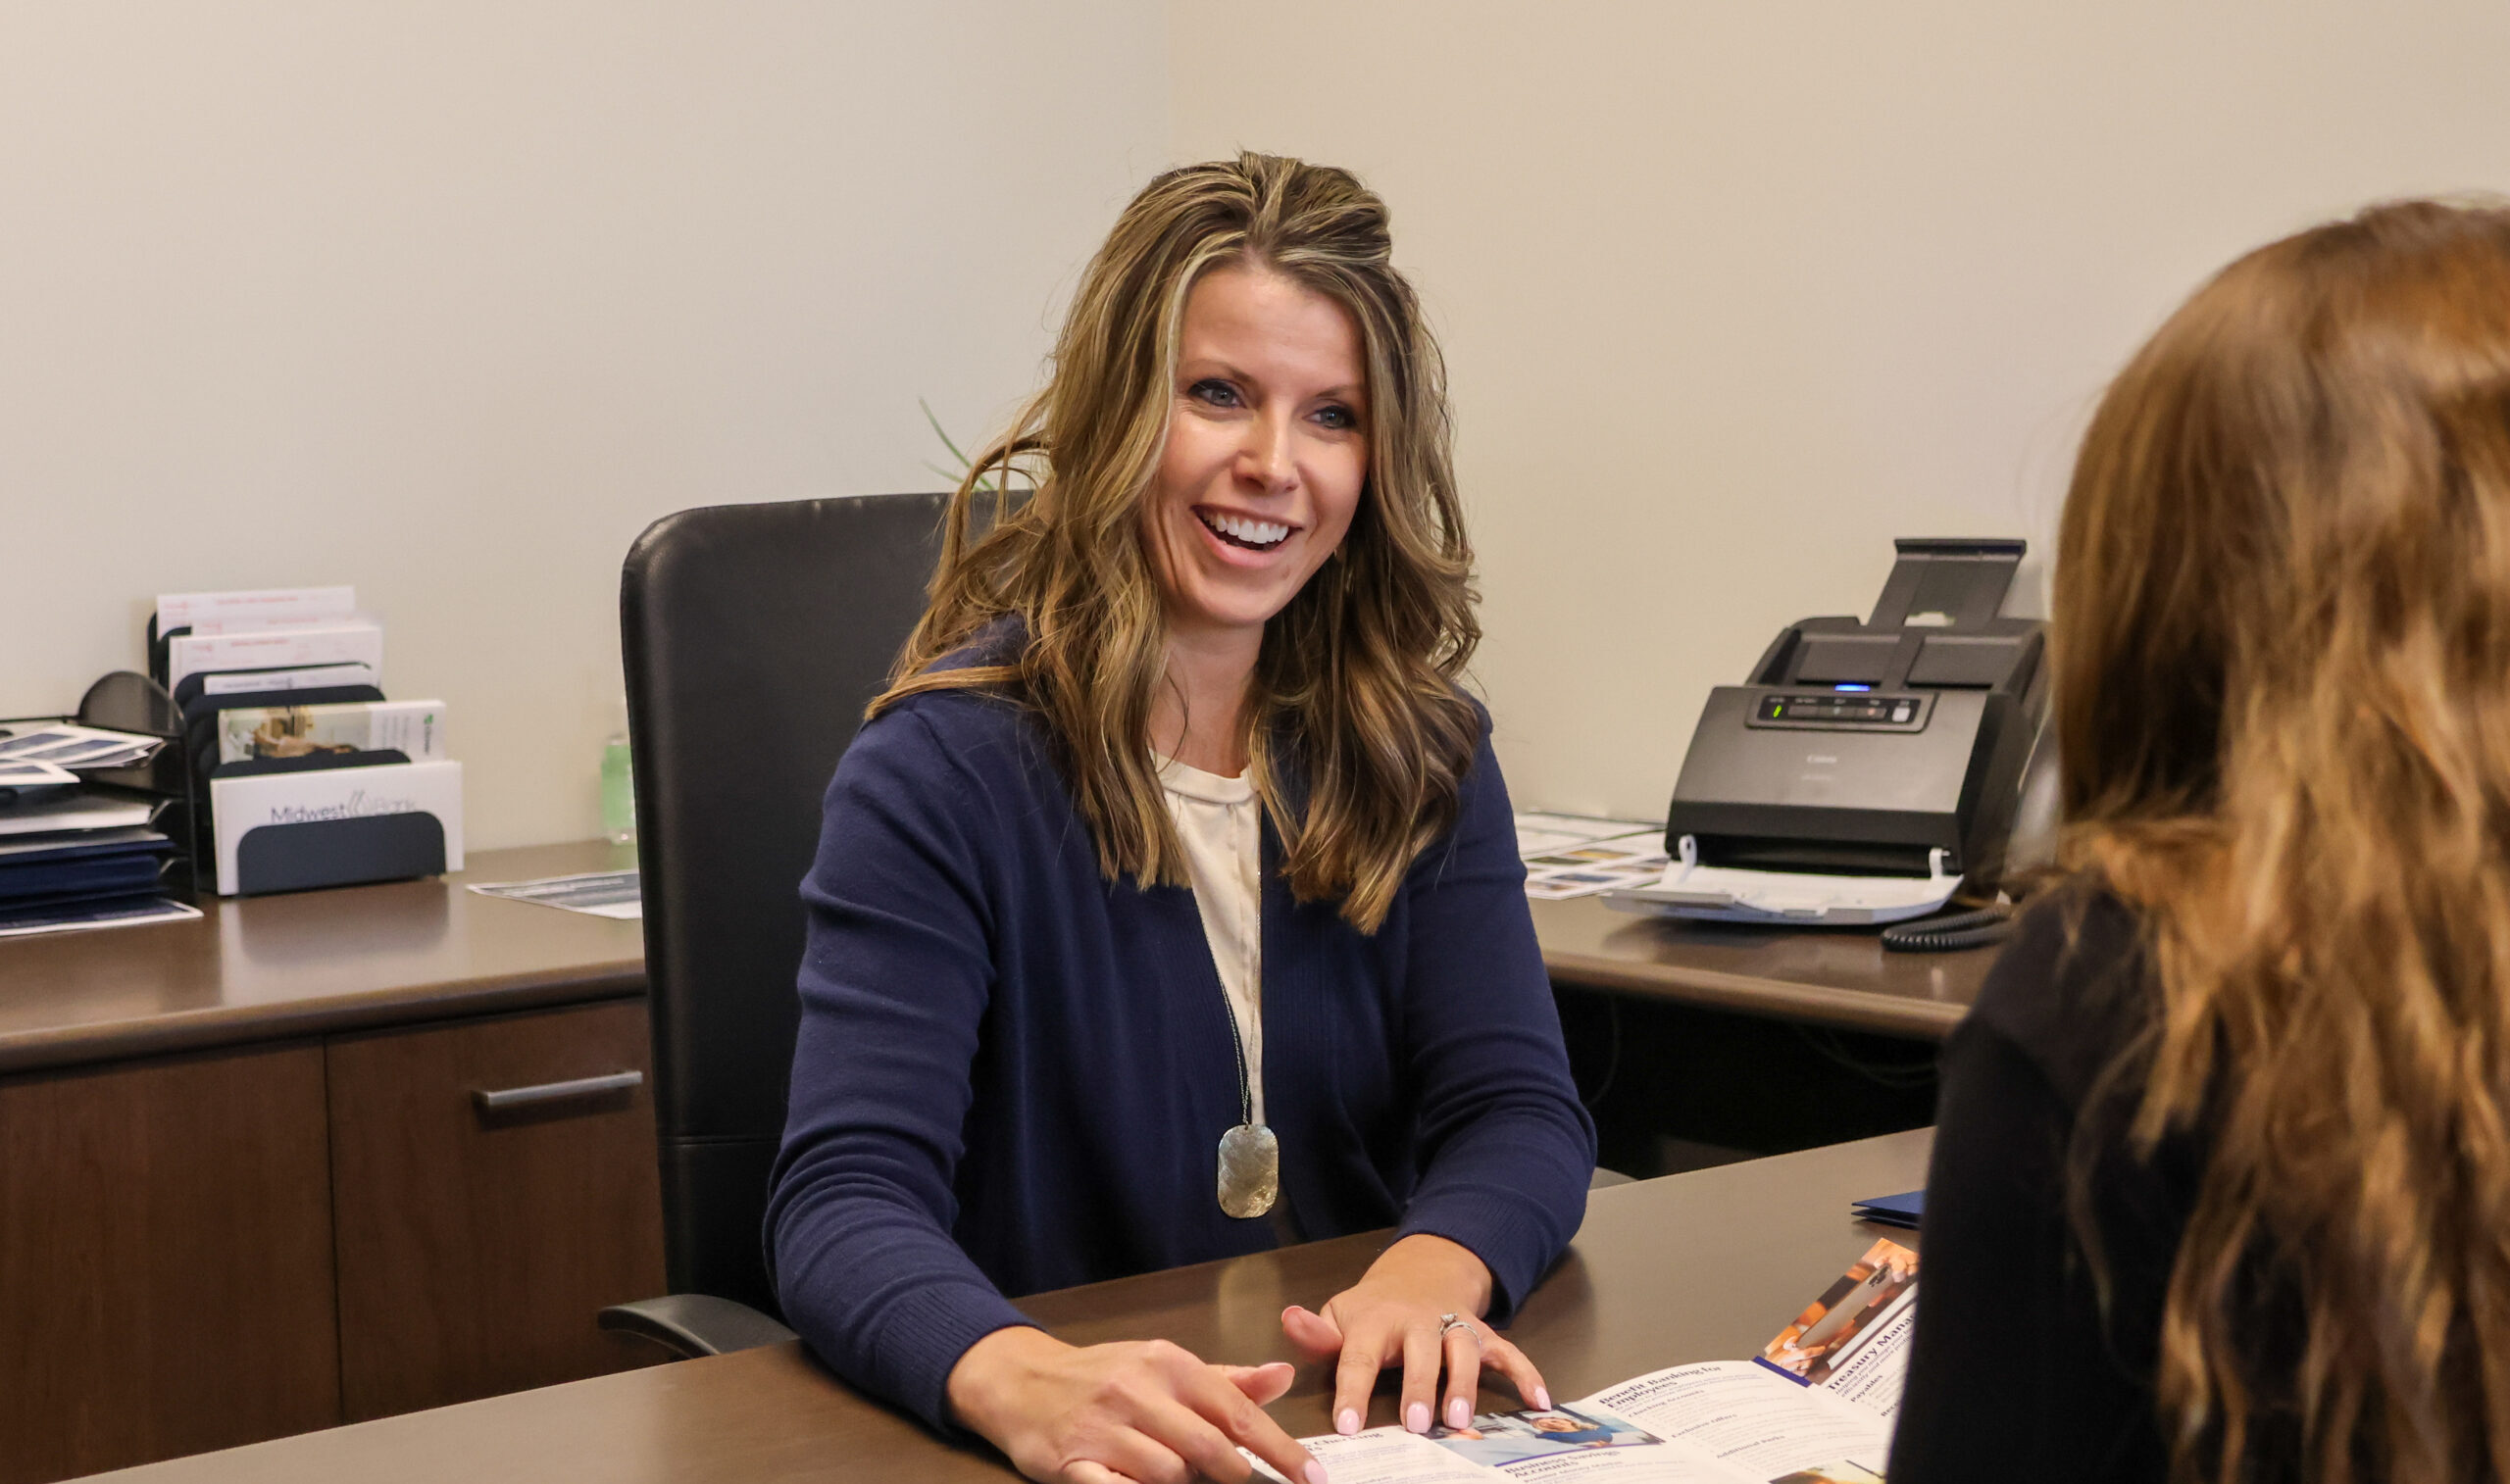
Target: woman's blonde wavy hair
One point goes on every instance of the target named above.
(1357, 730)
(2282, 642)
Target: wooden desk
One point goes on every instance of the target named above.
(211, 1140)
(260, 968)
(264, 968)
(1691, 1268)
(244, 1190)
(1840, 977)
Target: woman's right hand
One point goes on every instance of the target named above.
(1141, 1410)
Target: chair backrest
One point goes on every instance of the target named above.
(753, 637)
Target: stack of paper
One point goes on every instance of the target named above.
(288, 639)
(1574, 855)
(1892, 1211)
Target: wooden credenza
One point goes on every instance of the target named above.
(251, 1183)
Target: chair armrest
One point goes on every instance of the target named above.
(692, 1324)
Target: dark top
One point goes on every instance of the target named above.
(1013, 1075)
(2014, 1366)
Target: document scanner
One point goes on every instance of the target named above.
(1866, 769)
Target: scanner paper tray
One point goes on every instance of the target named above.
(1731, 894)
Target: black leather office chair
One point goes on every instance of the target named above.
(753, 637)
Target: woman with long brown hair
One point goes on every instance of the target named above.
(1167, 907)
(2222, 1185)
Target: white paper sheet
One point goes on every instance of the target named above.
(1752, 1419)
(304, 677)
(168, 910)
(602, 893)
(70, 810)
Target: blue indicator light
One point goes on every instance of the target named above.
(1851, 687)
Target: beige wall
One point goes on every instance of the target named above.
(1734, 292)
(448, 300)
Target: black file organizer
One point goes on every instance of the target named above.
(125, 701)
(277, 858)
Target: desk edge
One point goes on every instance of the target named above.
(74, 1045)
(1713, 989)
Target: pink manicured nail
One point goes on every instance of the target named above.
(1417, 1417)
(1346, 1421)
(1315, 1472)
(1457, 1413)
(1541, 1400)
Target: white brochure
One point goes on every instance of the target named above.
(259, 608)
(358, 641)
(311, 795)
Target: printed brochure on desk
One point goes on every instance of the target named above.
(1816, 1406)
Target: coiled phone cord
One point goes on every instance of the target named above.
(1935, 935)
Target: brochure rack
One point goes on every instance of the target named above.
(302, 823)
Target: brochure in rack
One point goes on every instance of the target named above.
(1815, 1407)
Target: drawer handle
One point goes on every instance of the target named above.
(506, 1098)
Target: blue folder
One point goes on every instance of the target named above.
(1892, 1211)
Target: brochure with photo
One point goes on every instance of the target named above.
(1848, 1341)
(413, 728)
(1816, 1406)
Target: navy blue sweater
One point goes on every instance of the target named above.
(1013, 1075)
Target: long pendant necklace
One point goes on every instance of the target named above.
(1250, 1158)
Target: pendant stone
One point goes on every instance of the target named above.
(1250, 1171)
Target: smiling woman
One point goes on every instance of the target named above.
(1289, 265)
(1168, 906)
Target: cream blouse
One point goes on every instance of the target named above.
(1218, 820)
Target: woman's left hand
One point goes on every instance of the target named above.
(1393, 1315)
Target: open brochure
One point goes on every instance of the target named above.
(1816, 1406)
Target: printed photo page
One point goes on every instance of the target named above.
(1815, 1407)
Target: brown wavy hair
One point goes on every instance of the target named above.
(1357, 731)
(2281, 643)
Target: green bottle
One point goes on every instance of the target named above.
(618, 792)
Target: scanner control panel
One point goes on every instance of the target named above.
(1829, 708)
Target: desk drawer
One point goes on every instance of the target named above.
(494, 1186)
(164, 1261)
